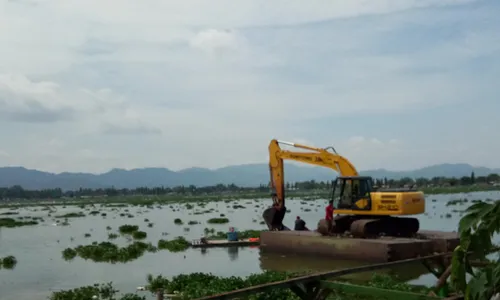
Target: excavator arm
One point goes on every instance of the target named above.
(314, 156)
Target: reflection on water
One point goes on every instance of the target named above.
(296, 263)
(233, 253)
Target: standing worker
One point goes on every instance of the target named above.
(300, 225)
(329, 215)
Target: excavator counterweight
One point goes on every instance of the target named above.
(361, 210)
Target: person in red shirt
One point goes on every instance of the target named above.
(329, 215)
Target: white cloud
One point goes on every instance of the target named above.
(56, 143)
(356, 140)
(212, 39)
(24, 100)
(177, 84)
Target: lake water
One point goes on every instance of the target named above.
(41, 268)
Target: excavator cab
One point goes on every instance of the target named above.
(352, 192)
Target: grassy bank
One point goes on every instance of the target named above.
(196, 285)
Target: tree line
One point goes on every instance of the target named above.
(408, 182)
(17, 192)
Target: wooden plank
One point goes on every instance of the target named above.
(224, 243)
(374, 292)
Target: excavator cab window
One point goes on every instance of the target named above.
(353, 193)
(365, 188)
(342, 193)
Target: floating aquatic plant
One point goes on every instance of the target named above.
(139, 235)
(176, 245)
(218, 221)
(8, 262)
(10, 223)
(97, 291)
(128, 229)
(71, 215)
(109, 252)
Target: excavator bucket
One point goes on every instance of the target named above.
(269, 217)
(274, 218)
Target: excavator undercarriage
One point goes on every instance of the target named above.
(372, 227)
(357, 226)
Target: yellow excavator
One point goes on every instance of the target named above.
(361, 210)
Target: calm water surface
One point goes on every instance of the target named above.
(41, 269)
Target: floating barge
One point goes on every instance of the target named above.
(224, 243)
(383, 249)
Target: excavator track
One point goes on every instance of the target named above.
(388, 226)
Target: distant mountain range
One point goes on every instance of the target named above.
(241, 175)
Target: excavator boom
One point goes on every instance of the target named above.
(314, 156)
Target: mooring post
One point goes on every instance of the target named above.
(442, 283)
(159, 294)
(441, 268)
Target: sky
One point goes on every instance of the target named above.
(87, 86)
